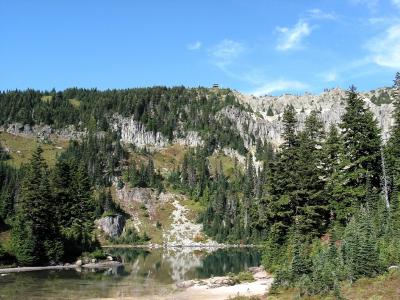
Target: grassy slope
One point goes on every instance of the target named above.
(21, 148)
(167, 159)
(384, 287)
(227, 162)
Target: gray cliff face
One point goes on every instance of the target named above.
(331, 104)
(134, 132)
(43, 132)
(112, 226)
(263, 118)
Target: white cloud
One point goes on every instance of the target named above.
(225, 52)
(329, 76)
(279, 85)
(317, 13)
(396, 3)
(385, 49)
(194, 46)
(290, 38)
(370, 4)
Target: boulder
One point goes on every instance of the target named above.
(255, 270)
(79, 262)
(185, 284)
(112, 226)
(259, 273)
(216, 282)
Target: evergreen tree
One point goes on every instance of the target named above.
(284, 180)
(393, 144)
(361, 161)
(311, 211)
(34, 234)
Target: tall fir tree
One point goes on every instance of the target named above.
(361, 160)
(34, 234)
(284, 181)
(393, 144)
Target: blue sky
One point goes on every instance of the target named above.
(253, 46)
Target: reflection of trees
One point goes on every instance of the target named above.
(182, 263)
(174, 265)
(129, 255)
(145, 272)
(224, 261)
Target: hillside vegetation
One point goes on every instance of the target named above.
(325, 204)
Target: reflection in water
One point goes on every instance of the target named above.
(144, 272)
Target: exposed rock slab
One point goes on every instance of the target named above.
(112, 226)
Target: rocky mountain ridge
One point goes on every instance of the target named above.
(265, 120)
(263, 117)
(256, 118)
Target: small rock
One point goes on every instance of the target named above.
(185, 284)
(255, 270)
(79, 262)
(260, 275)
(219, 281)
(110, 258)
(94, 260)
(86, 260)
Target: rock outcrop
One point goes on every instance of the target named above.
(263, 117)
(265, 122)
(43, 132)
(112, 226)
(134, 132)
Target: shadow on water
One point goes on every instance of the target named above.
(144, 272)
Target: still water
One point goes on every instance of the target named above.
(145, 273)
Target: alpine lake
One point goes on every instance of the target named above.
(145, 274)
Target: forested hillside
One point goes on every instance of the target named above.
(324, 204)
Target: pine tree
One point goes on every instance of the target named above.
(360, 162)
(34, 234)
(311, 210)
(361, 137)
(78, 230)
(284, 179)
(360, 246)
(393, 144)
(248, 190)
(300, 264)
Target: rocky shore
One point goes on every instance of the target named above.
(224, 287)
(77, 265)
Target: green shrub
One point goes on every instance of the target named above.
(244, 276)
(98, 254)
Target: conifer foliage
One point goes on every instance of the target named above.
(54, 217)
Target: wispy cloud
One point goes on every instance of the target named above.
(385, 49)
(329, 76)
(194, 46)
(396, 3)
(227, 56)
(370, 4)
(279, 85)
(226, 52)
(319, 14)
(291, 38)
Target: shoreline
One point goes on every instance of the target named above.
(99, 265)
(173, 246)
(109, 264)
